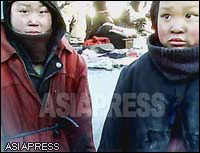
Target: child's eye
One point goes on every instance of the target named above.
(166, 17)
(23, 11)
(43, 12)
(191, 16)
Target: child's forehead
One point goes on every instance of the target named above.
(167, 5)
(29, 3)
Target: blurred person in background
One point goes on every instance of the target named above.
(74, 15)
(102, 16)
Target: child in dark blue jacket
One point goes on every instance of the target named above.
(155, 106)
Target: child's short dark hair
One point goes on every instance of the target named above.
(154, 14)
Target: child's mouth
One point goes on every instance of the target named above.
(33, 32)
(177, 42)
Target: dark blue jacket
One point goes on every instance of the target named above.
(146, 107)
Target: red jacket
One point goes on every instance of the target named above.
(21, 106)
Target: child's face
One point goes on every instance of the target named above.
(178, 23)
(30, 17)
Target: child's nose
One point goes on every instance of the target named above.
(33, 20)
(178, 28)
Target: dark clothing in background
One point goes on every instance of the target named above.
(115, 39)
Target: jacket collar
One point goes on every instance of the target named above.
(7, 49)
(65, 45)
(177, 65)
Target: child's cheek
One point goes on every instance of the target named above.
(195, 37)
(162, 34)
